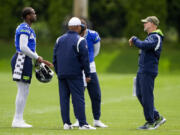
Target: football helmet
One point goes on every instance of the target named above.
(43, 73)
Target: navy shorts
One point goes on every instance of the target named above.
(21, 68)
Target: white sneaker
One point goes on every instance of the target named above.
(98, 123)
(67, 127)
(76, 124)
(87, 127)
(20, 124)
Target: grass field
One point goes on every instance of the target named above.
(120, 110)
(114, 57)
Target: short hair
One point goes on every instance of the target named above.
(26, 11)
(83, 21)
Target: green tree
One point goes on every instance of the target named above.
(173, 18)
(117, 18)
(58, 12)
(11, 14)
(8, 18)
(140, 9)
(108, 17)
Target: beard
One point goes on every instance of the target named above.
(33, 19)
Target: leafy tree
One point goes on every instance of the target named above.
(140, 9)
(117, 18)
(173, 18)
(11, 14)
(8, 18)
(108, 17)
(58, 12)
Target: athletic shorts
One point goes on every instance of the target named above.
(21, 67)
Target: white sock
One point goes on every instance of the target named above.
(23, 91)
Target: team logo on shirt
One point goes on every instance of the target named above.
(26, 31)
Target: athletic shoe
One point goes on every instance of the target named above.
(20, 124)
(159, 121)
(87, 127)
(67, 126)
(147, 126)
(76, 124)
(98, 123)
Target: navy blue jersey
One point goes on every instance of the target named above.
(69, 57)
(92, 38)
(150, 52)
(24, 28)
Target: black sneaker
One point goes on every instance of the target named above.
(159, 121)
(147, 126)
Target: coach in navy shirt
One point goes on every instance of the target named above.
(69, 59)
(148, 69)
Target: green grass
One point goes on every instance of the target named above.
(114, 57)
(120, 110)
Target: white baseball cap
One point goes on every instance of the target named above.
(74, 21)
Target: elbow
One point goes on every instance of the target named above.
(22, 48)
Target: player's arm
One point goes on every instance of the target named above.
(96, 48)
(149, 43)
(96, 41)
(25, 49)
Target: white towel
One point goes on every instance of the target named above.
(19, 66)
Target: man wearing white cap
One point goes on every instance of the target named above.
(148, 70)
(93, 41)
(70, 58)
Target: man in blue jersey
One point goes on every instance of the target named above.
(93, 41)
(70, 57)
(21, 63)
(148, 70)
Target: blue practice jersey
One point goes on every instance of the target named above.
(92, 38)
(24, 28)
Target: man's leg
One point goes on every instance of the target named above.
(22, 94)
(145, 95)
(64, 95)
(147, 86)
(76, 87)
(95, 95)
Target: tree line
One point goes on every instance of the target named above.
(111, 18)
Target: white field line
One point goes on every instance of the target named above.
(44, 110)
(117, 100)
